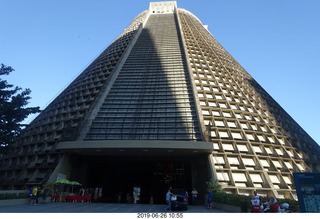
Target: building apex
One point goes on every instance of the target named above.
(162, 7)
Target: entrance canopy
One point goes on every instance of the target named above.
(136, 147)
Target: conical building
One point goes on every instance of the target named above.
(164, 105)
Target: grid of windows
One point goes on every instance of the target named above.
(256, 143)
(151, 97)
(251, 149)
(34, 153)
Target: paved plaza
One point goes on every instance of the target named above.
(67, 207)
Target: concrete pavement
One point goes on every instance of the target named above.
(67, 207)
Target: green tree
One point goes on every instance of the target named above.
(13, 110)
(213, 186)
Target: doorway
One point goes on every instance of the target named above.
(117, 176)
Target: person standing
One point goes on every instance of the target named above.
(44, 195)
(194, 194)
(35, 195)
(209, 199)
(30, 195)
(257, 196)
(168, 199)
(186, 194)
(274, 205)
(255, 204)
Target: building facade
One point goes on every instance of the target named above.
(165, 105)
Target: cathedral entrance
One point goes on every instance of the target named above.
(117, 176)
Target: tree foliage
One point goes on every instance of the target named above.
(13, 110)
(213, 186)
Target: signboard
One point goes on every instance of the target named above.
(308, 191)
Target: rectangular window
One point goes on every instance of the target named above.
(209, 96)
(227, 147)
(240, 184)
(216, 146)
(205, 112)
(261, 138)
(281, 141)
(219, 123)
(274, 179)
(268, 150)
(223, 105)
(200, 95)
(242, 147)
(218, 160)
(239, 177)
(226, 114)
(279, 152)
(250, 137)
(271, 139)
(257, 149)
(233, 161)
(244, 126)
(236, 135)
(290, 153)
(264, 163)
(277, 164)
(287, 179)
(263, 129)
(223, 176)
(256, 178)
(300, 167)
(288, 164)
(254, 127)
(233, 106)
(213, 134)
(248, 162)
(223, 134)
(231, 124)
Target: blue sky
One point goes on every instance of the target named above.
(49, 43)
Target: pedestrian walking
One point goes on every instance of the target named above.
(35, 195)
(194, 194)
(30, 195)
(44, 195)
(168, 199)
(209, 199)
(186, 194)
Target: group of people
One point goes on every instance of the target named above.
(269, 205)
(194, 195)
(170, 195)
(35, 192)
(257, 203)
